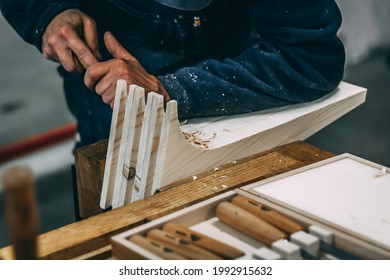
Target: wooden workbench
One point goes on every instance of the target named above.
(90, 237)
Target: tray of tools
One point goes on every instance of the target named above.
(333, 209)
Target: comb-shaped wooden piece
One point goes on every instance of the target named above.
(164, 151)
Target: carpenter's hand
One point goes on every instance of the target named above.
(102, 77)
(71, 39)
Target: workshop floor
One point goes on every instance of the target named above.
(29, 82)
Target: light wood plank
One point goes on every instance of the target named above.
(128, 151)
(114, 144)
(153, 142)
(150, 135)
(138, 190)
(213, 141)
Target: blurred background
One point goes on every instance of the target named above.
(37, 130)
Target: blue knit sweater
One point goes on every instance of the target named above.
(232, 57)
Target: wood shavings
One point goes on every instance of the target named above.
(197, 139)
(193, 137)
(215, 189)
(382, 172)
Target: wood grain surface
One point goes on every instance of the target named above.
(93, 233)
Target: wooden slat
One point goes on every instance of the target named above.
(128, 151)
(93, 233)
(114, 141)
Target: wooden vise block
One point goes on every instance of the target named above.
(90, 161)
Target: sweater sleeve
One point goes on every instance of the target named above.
(296, 57)
(29, 18)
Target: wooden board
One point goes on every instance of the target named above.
(83, 237)
(169, 151)
(214, 141)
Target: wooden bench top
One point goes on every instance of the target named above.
(90, 237)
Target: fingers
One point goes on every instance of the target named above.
(95, 73)
(102, 77)
(116, 49)
(71, 39)
(81, 50)
(97, 79)
(55, 48)
(91, 38)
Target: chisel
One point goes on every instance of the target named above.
(248, 223)
(183, 247)
(289, 226)
(21, 212)
(203, 241)
(164, 251)
(268, 215)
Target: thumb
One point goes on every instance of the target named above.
(115, 48)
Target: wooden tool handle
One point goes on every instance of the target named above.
(270, 216)
(21, 212)
(162, 250)
(248, 223)
(182, 246)
(203, 241)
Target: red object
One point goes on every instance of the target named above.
(36, 142)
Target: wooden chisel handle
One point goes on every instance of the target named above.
(270, 216)
(248, 223)
(21, 212)
(182, 246)
(162, 250)
(203, 241)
